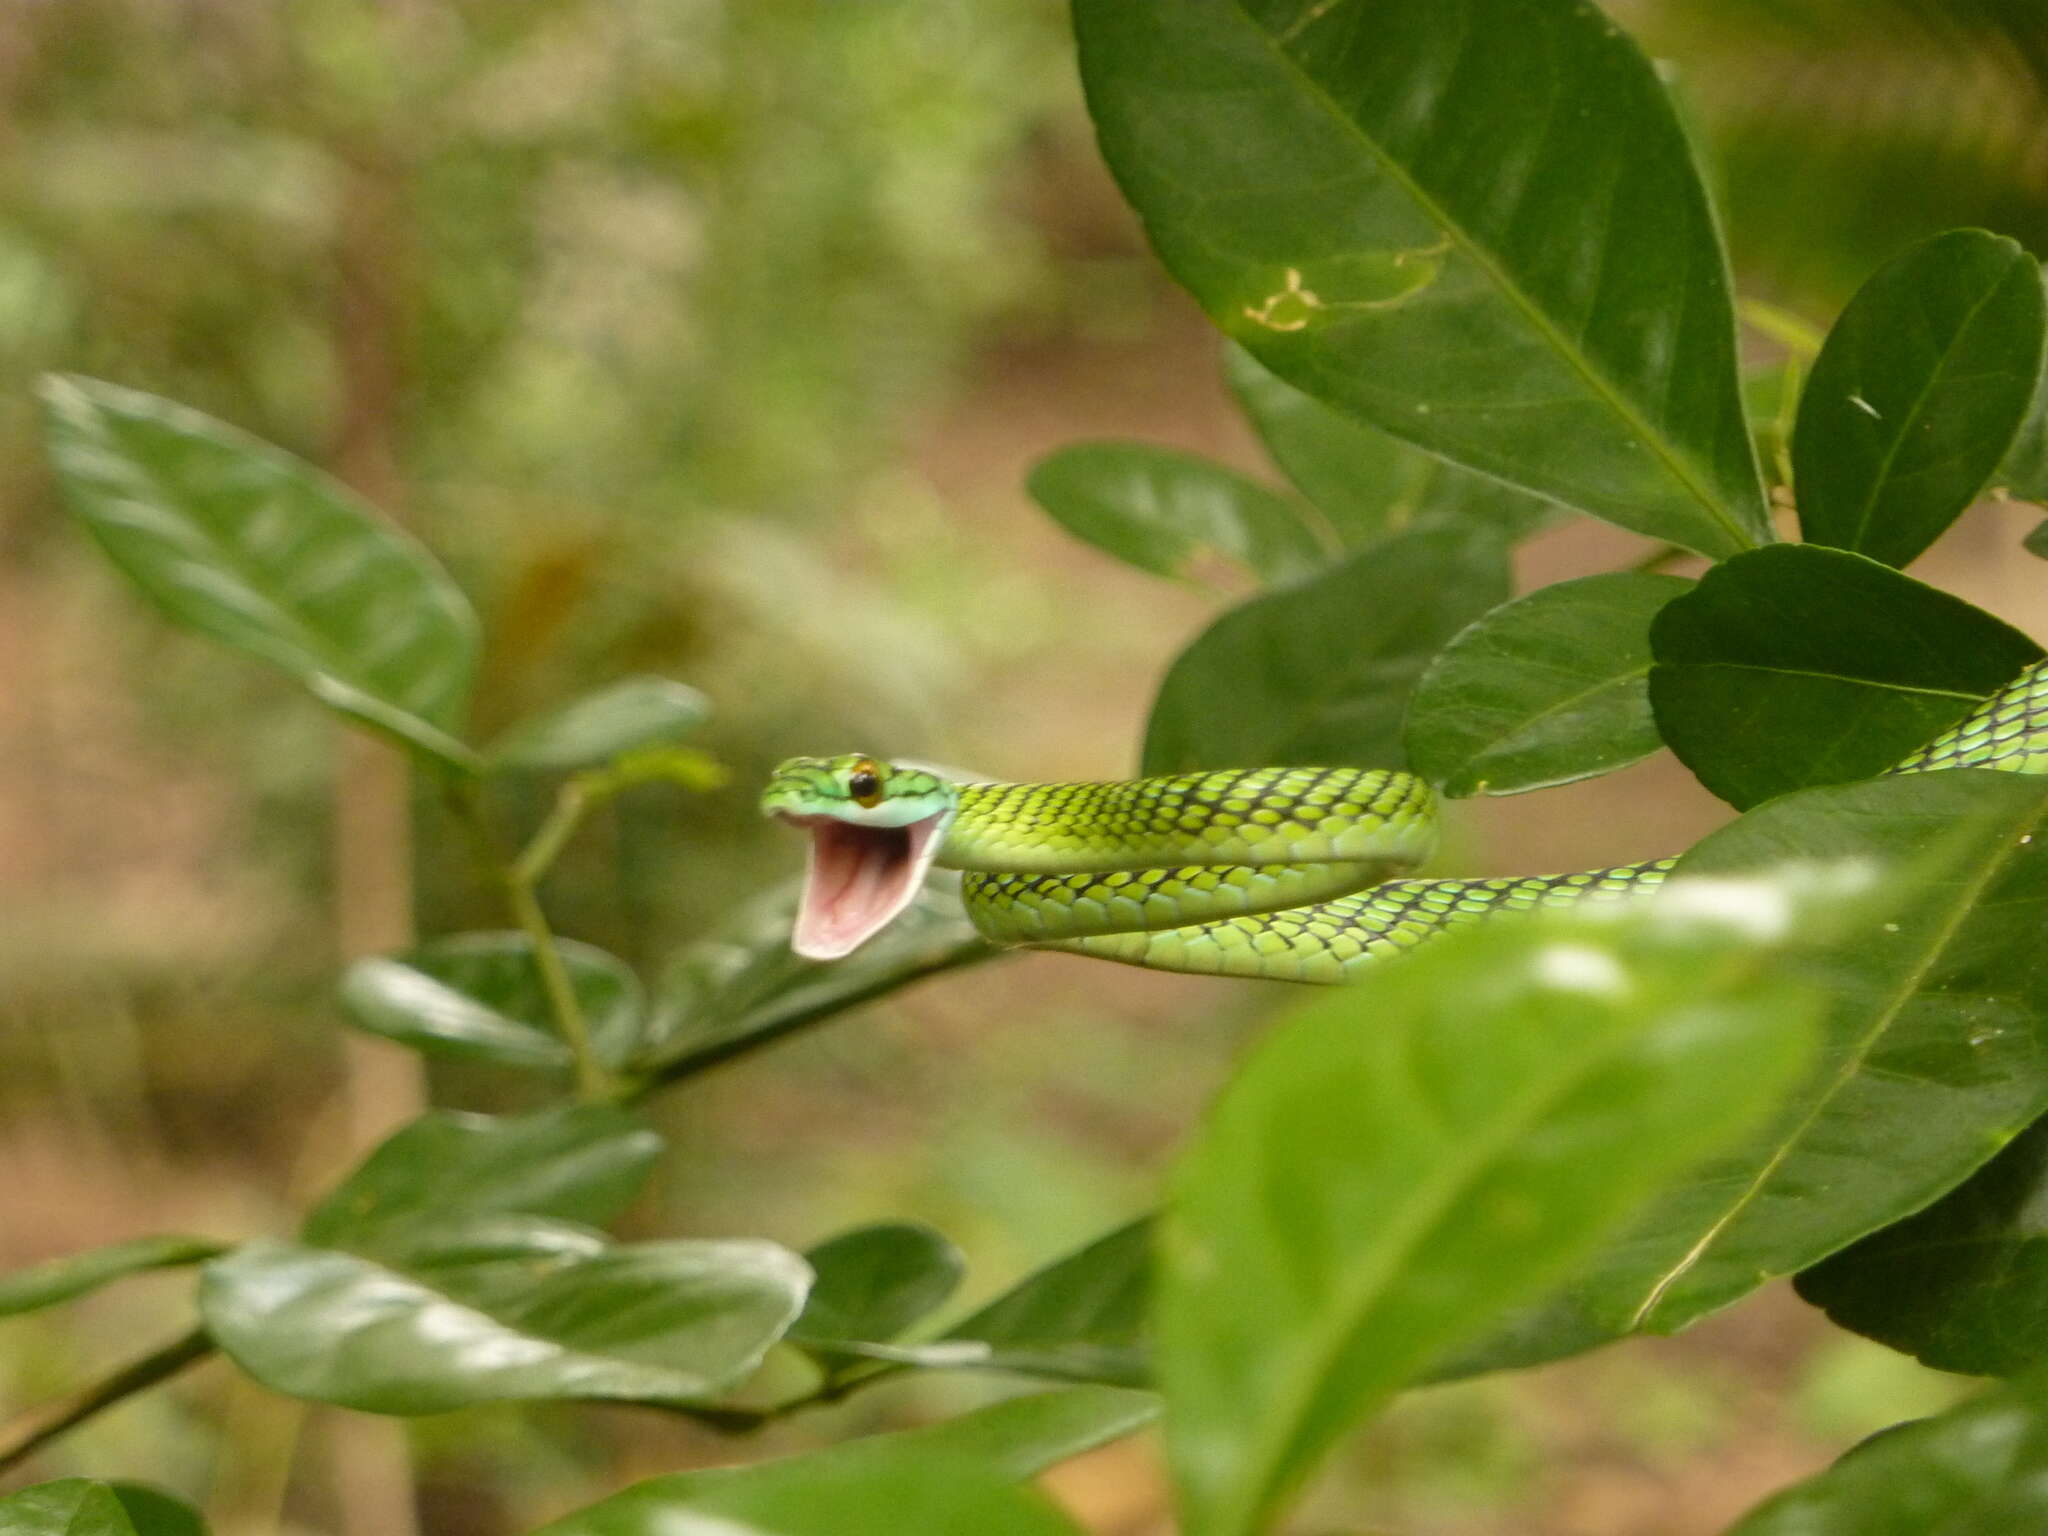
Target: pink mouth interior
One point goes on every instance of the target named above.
(857, 881)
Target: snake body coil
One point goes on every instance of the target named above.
(1276, 873)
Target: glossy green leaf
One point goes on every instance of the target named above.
(1796, 666)
(1962, 1285)
(1408, 210)
(621, 717)
(46, 1284)
(1547, 689)
(155, 1513)
(2025, 470)
(743, 986)
(1459, 498)
(1321, 672)
(71, 1506)
(1934, 1044)
(1918, 394)
(581, 1163)
(1980, 1469)
(1080, 1318)
(1410, 1157)
(499, 1308)
(874, 1282)
(1366, 483)
(478, 996)
(1014, 1439)
(1163, 510)
(242, 542)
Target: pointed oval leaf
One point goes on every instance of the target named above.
(259, 550)
(478, 996)
(1014, 1439)
(1962, 1285)
(44, 1285)
(1980, 1469)
(1080, 1318)
(621, 717)
(582, 1162)
(510, 1308)
(1796, 666)
(1321, 672)
(874, 1282)
(1404, 1161)
(743, 986)
(70, 1506)
(1547, 689)
(1409, 210)
(1918, 394)
(1161, 510)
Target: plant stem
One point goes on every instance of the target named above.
(515, 880)
(22, 1435)
(539, 856)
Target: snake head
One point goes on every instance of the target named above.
(874, 827)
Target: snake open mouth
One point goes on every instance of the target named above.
(858, 879)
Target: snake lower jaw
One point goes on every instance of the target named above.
(857, 880)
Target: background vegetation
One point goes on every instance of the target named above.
(715, 340)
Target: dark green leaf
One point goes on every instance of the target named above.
(621, 717)
(1917, 395)
(499, 1308)
(2025, 470)
(1366, 483)
(1412, 1156)
(71, 1506)
(244, 543)
(2036, 543)
(1548, 689)
(1321, 672)
(1162, 510)
(1963, 1285)
(874, 1282)
(1408, 210)
(1980, 1469)
(1081, 1318)
(1460, 498)
(582, 1163)
(155, 1513)
(1015, 1439)
(43, 1285)
(479, 996)
(743, 987)
(1796, 666)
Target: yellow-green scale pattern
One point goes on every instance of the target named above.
(1331, 940)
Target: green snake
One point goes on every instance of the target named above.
(1275, 873)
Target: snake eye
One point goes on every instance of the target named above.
(864, 783)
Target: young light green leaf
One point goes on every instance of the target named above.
(501, 1308)
(44, 1285)
(1403, 1162)
(1011, 1440)
(582, 1163)
(743, 986)
(71, 1506)
(1795, 666)
(1366, 483)
(1160, 510)
(874, 1282)
(1321, 672)
(1408, 210)
(1962, 1285)
(1980, 1469)
(242, 542)
(621, 717)
(1547, 689)
(478, 996)
(1918, 395)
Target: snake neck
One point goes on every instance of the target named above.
(1225, 816)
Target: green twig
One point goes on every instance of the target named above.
(22, 1435)
(1795, 335)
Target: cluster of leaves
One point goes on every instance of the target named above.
(1425, 227)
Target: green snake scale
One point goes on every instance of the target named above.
(1272, 873)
